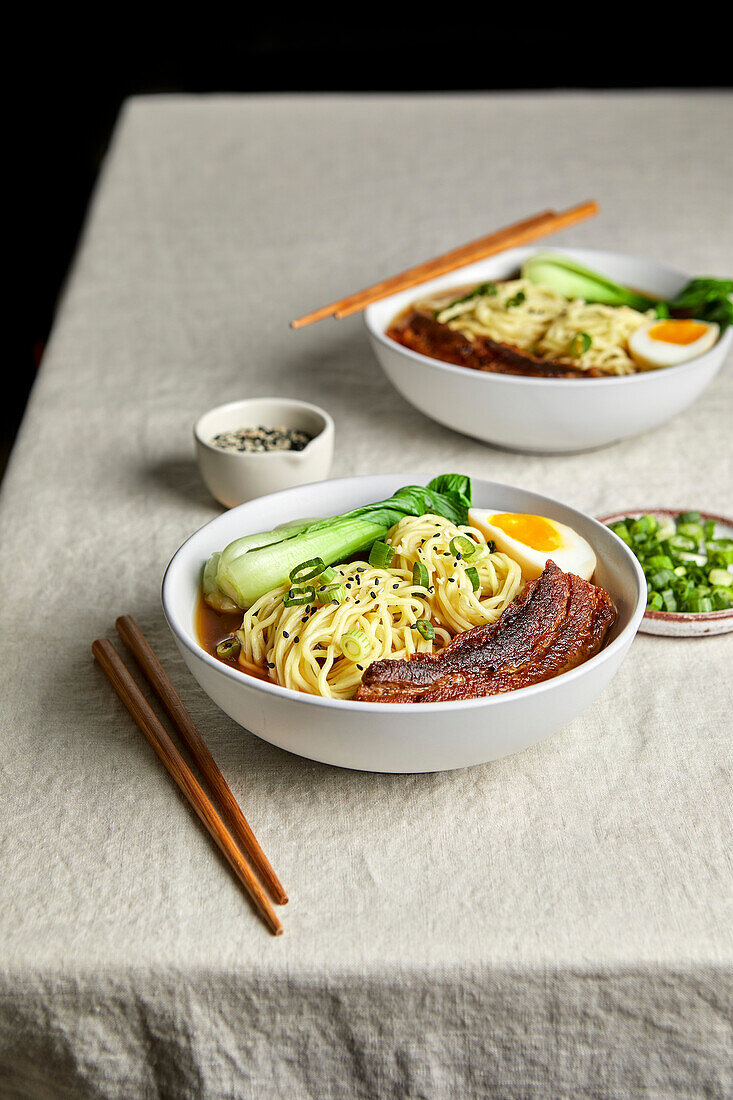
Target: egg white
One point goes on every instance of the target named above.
(573, 555)
(650, 353)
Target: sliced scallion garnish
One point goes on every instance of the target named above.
(229, 648)
(463, 547)
(355, 645)
(425, 628)
(579, 344)
(307, 570)
(295, 597)
(420, 576)
(381, 555)
(330, 593)
(473, 577)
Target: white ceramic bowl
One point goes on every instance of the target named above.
(546, 415)
(235, 476)
(394, 737)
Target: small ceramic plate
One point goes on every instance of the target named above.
(682, 624)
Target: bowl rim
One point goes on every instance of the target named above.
(674, 616)
(722, 343)
(326, 428)
(183, 638)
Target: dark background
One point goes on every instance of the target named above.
(74, 83)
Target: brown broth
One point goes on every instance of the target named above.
(212, 627)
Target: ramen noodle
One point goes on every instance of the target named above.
(541, 322)
(323, 650)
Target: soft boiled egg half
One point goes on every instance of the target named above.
(531, 540)
(665, 343)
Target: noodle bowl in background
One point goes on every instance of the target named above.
(322, 650)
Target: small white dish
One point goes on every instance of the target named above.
(682, 624)
(399, 737)
(235, 476)
(543, 415)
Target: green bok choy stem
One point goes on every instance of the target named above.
(251, 566)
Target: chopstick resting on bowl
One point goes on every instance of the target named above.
(124, 684)
(521, 232)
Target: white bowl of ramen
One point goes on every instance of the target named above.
(543, 415)
(398, 737)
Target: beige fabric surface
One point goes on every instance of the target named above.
(555, 924)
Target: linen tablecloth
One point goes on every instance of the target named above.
(554, 924)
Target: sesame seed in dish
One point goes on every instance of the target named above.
(261, 439)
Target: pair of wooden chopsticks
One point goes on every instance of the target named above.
(230, 843)
(522, 232)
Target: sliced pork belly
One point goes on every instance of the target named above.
(558, 622)
(422, 333)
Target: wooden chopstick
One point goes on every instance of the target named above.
(136, 641)
(122, 681)
(521, 232)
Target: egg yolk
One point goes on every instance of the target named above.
(677, 332)
(533, 531)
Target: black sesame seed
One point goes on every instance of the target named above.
(304, 619)
(270, 664)
(360, 667)
(395, 586)
(285, 634)
(296, 639)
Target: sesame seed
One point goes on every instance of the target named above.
(270, 664)
(296, 639)
(285, 634)
(360, 667)
(395, 586)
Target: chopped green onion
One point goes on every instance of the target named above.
(473, 576)
(355, 645)
(330, 593)
(229, 648)
(327, 575)
(420, 576)
(425, 628)
(622, 531)
(579, 344)
(686, 567)
(515, 300)
(307, 570)
(482, 290)
(692, 531)
(658, 580)
(659, 561)
(662, 310)
(668, 598)
(381, 555)
(463, 547)
(699, 604)
(644, 525)
(294, 597)
(676, 543)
